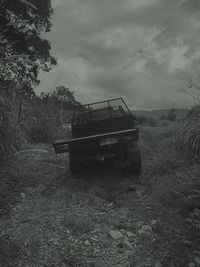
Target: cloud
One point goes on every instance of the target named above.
(113, 48)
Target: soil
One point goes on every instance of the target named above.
(60, 219)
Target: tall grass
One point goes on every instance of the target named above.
(189, 139)
(48, 124)
(172, 177)
(13, 132)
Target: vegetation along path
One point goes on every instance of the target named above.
(100, 217)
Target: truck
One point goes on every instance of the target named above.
(102, 131)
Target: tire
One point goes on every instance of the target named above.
(134, 158)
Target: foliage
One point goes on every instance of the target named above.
(13, 132)
(163, 117)
(46, 126)
(52, 111)
(60, 94)
(35, 120)
(171, 114)
(172, 178)
(22, 50)
(147, 121)
(189, 138)
(194, 112)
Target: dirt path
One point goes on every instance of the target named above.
(66, 220)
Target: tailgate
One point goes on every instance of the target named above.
(62, 146)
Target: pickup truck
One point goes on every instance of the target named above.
(102, 131)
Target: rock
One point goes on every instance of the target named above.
(132, 187)
(153, 221)
(95, 231)
(110, 204)
(2, 211)
(115, 234)
(158, 264)
(130, 254)
(127, 244)
(129, 234)
(87, 243)
(187, 242)
(102, 213)
(93, 239)
(22, 195)
(120, 245)
(197, 260)
(55, 241)
(146, 229)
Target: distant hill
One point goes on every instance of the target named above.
(157, 113)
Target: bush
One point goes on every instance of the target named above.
(172, 178)
(146, 121)
(43, 130)
(13, 132)
(189, 139)
(171, 114)
(194, 112)
(47, 126)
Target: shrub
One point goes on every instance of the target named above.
(189, 139)
(194, 112)
(147, 121)
(47, 126)
(13, 132)
(171, 114)
(172, 178)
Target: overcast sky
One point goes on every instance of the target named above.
(128, 48)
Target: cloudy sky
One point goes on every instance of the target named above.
(137, 49)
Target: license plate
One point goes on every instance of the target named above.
(109, 141)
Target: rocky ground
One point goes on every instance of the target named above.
(100, 217)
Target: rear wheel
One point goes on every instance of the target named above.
(134, 158)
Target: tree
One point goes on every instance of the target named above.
(163, 117)
(171, 114)
(63, 94)
(60, 96)
(23, 52)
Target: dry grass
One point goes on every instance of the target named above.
(47, 126)
(12, 132)
(172, 177)
(189, 138)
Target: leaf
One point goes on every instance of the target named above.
(28, 4)
(18, 21)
